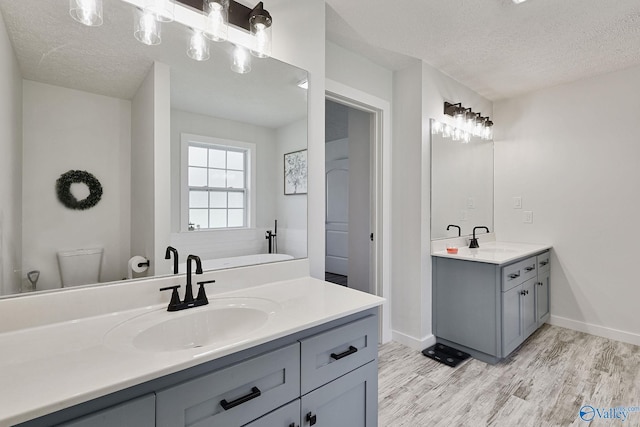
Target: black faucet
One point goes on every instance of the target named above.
(456, 226)
(474, 241)
(175, 304)
(167, 255)
(188, 293)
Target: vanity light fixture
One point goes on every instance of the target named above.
(198, 47)
(162, 10)
(473, 122)
(146, 28)
(87, 12)
(216, 14)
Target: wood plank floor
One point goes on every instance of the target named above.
(545, 382)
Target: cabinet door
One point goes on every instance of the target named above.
(542, 297)
(287, 416)
(140, 412)
(529, 318)
(349, 401)
(512, 333)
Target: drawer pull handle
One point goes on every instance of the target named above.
(528, 269)
(311, 419)
(255, 392)
(293, 425)
(524, 292)
(349, 352)
(514, 275)
(543, 263)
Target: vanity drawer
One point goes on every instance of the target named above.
(248, 390)
(519, 272)
(329, 355)
(544, 264)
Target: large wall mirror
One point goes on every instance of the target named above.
(188, 153)
(461, 184)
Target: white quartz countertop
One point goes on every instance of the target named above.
(48, 368)
(494, 252)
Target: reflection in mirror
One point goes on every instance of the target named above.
(188, 153)
(461, 183)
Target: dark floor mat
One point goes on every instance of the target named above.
(445, 354)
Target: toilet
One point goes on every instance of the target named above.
(80, 266)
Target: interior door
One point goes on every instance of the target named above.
(337, 217)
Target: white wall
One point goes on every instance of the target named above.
(421, 91)
(10, 167)
(358, 72)
(571, 152)
(151, 178)
(291, 210)
(64, 130)
(299, 39)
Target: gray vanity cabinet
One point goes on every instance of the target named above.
(135, 413)
(287, 416)
(486, 309)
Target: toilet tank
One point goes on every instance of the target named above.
(80, 266)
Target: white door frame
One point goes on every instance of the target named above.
(381, 194)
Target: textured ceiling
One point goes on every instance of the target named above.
(107, 60)
(495, 47)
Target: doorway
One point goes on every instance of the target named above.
(348, 186)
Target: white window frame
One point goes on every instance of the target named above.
(185, 139)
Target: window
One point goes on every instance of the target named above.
(218, 183)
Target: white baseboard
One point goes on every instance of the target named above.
(414, 343)
(597, 330)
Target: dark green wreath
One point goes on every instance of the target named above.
(63, 188)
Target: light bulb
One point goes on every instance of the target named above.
(487, 133)
(241, 60)
(87, 12)
(147, 29)
(217, 19)
(198, 47)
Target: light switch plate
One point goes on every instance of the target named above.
(527, 218)
(517, 202)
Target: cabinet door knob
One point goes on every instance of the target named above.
(311, 419)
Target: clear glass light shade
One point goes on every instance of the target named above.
(458, 134)
(460, 118)
(241, 62)
(260, 26)
(162, 10)
(478, 128)
(216, 19)
(487, 133)
(146, 28)
(87, 12)
(198, 47)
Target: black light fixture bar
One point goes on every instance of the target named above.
(239, 14)
(451, 109)
(454, 109)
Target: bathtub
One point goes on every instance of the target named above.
(236, 261)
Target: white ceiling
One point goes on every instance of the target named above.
(495, 47)
(107, 60)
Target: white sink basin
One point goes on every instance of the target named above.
(221, 321)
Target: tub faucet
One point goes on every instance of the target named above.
(167, 255)
(474, 241)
